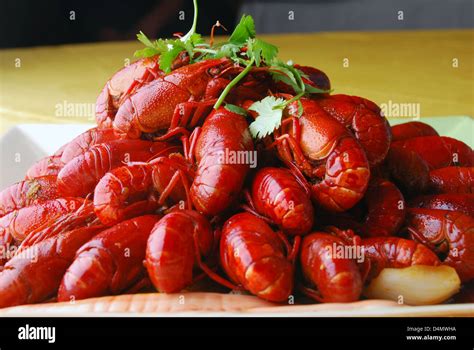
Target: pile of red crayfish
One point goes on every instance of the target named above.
(168, 190)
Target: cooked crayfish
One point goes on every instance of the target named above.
(452, 180)
(254, 256)
(140, 188)
(448, 233)
(28, 192)
(39, 221)
(223, 149)
(336, 278)
(325, 151)
(109, 263)
(169, 101)
(278, 195)
(35, 274)
(177, 249)
(364, 119)
(412, 129)
(462, 202)
(79, 177)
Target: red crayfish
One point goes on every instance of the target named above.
(151, 198)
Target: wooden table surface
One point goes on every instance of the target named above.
(431, 68)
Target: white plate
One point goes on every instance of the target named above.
(24, 144)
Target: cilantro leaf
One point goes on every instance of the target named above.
(235, 109)
(169, 49)
(267, 50)
(228, 50)
(300, 108)
(167, 58)
(163, 45)
(243, 31)
(190, 44)
(261, 50)
(196, 39)
(285, 75)
(144, 39)
(146, 52)
(310, 89)
(294, 77)
(270, 113)
(151, 49)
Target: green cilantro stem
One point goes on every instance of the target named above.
(286, 103)
(241, 60)
(213, 52)
(233, 83)
(193, 28)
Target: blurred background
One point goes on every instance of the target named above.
(35, 23)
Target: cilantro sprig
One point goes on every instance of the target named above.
(261, 53)
(270, 111)
(257, 52)
(169, 49)
(247, 51)
(243, 31)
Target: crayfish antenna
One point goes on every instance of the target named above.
(295, 249)
(179, 130)
(218, 24)
(212, 274)
(179, 175)
(140, 285)
(283, 238)
(421, 239)
(189, 155)
(364, 269)
(217, 238)
(348, 236)
(311, 293)
(250, 210)
(249, 199)
(301, 179)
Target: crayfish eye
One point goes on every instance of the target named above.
(213, 71)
